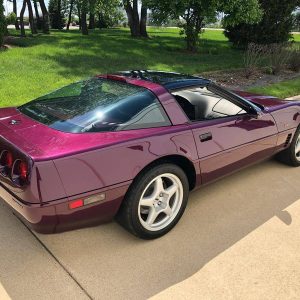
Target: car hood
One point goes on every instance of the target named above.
(41, 142)
(268, 102)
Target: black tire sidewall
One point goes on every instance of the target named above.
(292, 154)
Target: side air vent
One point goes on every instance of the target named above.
(288, 139)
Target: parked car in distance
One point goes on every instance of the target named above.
(131, 145)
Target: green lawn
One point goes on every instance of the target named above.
(282, 89)
(43, 63)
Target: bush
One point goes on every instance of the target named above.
(252, 57)
(278, 57)
(55, 14)
(2, 23)
(294, 61)
(275, 26)
(11, 19)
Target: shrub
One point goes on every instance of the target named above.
(55, 14)
(278, 57)
(252, 57)
(275, 26)
(11, 19)
(294, 61)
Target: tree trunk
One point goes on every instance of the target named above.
(192, 29)
(143, 22)
(128, 10)
(31, 19)
(45, 17)
(15, 10)
(37, 15)
(79, 15)
(92, 21)
(70, 14)
(92, 8)
(84, 27)
(136, 19)
(137, 25)
(23, 34)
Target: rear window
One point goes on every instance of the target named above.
(97, 105)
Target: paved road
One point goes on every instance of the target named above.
(239, 239)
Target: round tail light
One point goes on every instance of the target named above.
(19, 172)
(6, 162)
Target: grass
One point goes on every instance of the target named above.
(282, 89)
(45, 62)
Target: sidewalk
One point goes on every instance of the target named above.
(3, 294)
(294, 98)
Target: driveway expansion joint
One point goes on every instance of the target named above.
(57, 260)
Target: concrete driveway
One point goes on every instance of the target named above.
(238, 239)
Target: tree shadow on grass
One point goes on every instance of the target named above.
(113, 51)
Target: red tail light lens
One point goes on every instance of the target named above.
(6, 162)
(23, 170)
(9, 159)
(19, 172)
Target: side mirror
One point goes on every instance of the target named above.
(256, 114)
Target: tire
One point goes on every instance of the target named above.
(291, 155)
(155, 201)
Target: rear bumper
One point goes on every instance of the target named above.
(56, 216)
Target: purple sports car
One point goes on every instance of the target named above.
(131, 145)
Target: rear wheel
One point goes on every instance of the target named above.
(291, 155)
(155, 202)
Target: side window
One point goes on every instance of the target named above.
(202, 104)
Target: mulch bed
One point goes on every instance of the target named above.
(236, 79)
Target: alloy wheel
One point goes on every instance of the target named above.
(160, 202)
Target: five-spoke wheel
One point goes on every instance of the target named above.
(160, 202)
(155, 202)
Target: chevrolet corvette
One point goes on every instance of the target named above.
(131, 146)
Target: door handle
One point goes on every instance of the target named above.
(205, 137)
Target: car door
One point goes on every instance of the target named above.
(229, 137)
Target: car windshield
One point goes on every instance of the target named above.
(96, 105)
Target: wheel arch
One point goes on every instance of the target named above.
(181, 161)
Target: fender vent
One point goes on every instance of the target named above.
(288, 139)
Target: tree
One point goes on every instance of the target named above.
(22, 18)
(31, 18)
(92, 23)
(136, 23)
(45, 17)
(109, 13)
(84, 8)
(15, 11)
(39, 23)
(55, 14)
(2, 23)
(70, 14)
(194, 14)
(274, 27)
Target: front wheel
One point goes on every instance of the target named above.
(155, 202)
(291, 155)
